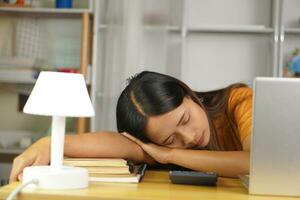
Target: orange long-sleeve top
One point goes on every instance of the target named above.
(239, 111)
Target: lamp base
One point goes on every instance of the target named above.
(64, 178)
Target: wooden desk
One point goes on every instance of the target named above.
(155, 185)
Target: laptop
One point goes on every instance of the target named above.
(275, 146)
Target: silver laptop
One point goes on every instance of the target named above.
(275, 147)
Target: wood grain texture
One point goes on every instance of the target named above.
(155, 185)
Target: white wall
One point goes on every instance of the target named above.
(217, 60)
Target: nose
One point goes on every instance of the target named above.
(186, 135)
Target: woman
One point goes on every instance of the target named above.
(164, 121)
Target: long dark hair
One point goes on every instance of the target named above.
(151, 93)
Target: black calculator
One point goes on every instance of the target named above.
(193, 177)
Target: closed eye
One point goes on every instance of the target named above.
(187, 119)
(170, 140)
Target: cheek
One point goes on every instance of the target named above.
(204, 119)
(200, 120)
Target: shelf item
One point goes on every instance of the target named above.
(28, 41)
(289, 35)
(63, 3)
(18, 75)
(26, 70)
(15, 5)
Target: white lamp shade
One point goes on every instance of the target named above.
(60, 94)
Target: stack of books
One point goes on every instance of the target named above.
(109, 170)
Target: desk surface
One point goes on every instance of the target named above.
(155, 185)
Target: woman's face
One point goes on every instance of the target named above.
(184, 127)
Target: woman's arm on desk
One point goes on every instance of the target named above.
(225, 163)
(102, 144)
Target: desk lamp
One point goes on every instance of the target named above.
(59, 95)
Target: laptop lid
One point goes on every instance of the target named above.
(275, 148)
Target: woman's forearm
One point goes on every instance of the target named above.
(102, 144)
(225, 163)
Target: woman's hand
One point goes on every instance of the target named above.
(36, 154)
(159, 153)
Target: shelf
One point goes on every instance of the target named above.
(11, 150)
(231, 29)
(216, 29)
(45, 10)
(23, 77)
(292, 30)
(14, 80)
(162, 27)
(149, 27)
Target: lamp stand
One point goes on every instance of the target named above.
(57, 176)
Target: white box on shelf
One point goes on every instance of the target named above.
(11, 139)
(18, 75)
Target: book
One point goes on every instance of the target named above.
(89, 162)
(109, 170)
(135, 177)
(102, 165)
